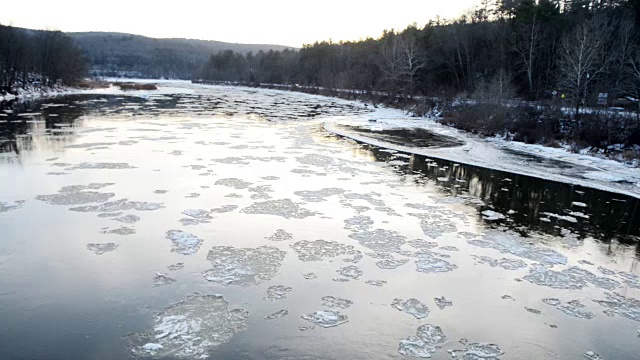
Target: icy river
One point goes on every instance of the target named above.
(201, 222)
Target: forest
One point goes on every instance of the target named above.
(570, 53)
(31, 58)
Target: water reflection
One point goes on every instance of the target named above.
(530, 204)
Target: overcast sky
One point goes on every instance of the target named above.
(286, 22)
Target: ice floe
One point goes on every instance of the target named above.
(573, 308)
(284, 208)
(183, 243)
(277, 292)
(100, 249)
(280, 235)
(411, 306)
(333, 301)
(243, 266)
(424, 344)
(325, 318)
(277, 315)
(189, 329)
(319, 249)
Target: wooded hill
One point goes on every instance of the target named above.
(118, 53)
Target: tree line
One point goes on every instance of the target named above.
(530, 49)
(33, 57)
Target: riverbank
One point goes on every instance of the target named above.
(601, 133)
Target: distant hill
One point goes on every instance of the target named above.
(134, 55)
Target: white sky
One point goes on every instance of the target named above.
(286, 22)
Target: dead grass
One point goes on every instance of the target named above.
(136, 86)
(92, 84)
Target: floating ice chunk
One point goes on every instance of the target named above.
(578, 204)
(160, 191)
(122, 230)
(411, 306)
(319, 249)
(270, 178)
(192, 195)
(430, 264)
(277, 314)
(100, 249)
(449, 248)
(310, 276)
(543, 276)
(224, 209)
(189, 329)
(354, 256)
(621, 305)
(442, 302)
(590, 355)
(284, 208)
(67, 197)
(491, 215)
(162, 279)
(199, 214)
(128, 219)
(319, 195)
(509, 243)
(351, 271)
(243, 266)
(280, 235)
(391, 264)
(423, 244)
(105, 165)
(376, 282)
(358, 223)
(176, 266)
(326, 318)
(606, 271)
(572, 308)
(151, 348)
(533, 311)
(233, 183)
(426, 342)
(599, 281)
(109, 214)
(277, 292)
(435, 224)
(567, 218)
(11, 205)
(507, 264)
(119, 205)
(333, 301)
(380, 240)
(184, 243)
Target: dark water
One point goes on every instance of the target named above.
(252, 175)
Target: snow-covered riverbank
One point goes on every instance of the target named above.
(519, 158)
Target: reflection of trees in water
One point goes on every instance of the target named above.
(611, 216)
(55, 126)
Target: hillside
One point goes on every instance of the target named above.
(127, 54)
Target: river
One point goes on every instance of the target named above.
(218, 222)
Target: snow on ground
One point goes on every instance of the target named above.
(525, 159)
(164, 87)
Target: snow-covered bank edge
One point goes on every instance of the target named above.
(37, 94)
(465, 155)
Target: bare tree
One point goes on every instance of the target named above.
(583, 58)
(412, 59)
(391, 59)
(526, 42)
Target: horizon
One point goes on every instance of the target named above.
(274, 21)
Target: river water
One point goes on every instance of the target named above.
(225, 223)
